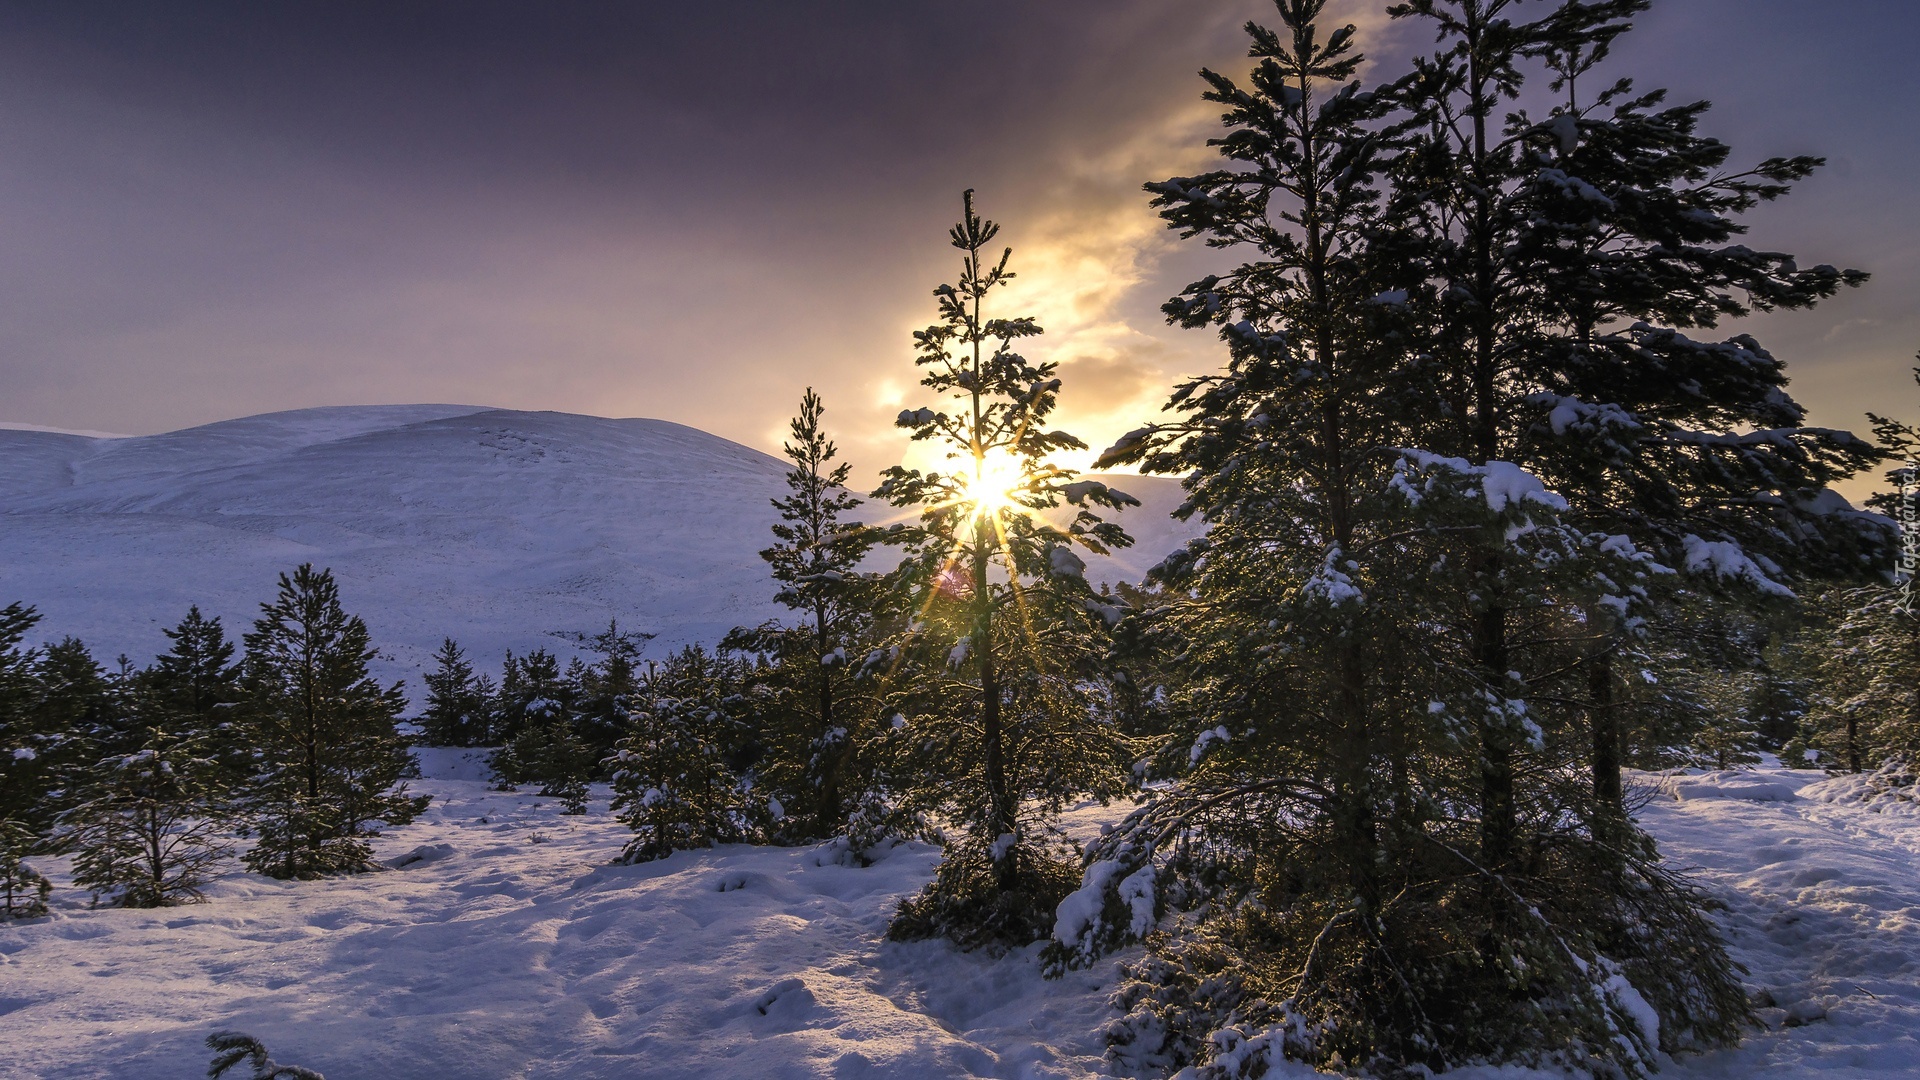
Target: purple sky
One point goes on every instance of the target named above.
(691, 211)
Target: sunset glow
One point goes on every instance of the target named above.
(996, 481)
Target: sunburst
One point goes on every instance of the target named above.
(993, 487)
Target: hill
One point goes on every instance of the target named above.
(503, 529)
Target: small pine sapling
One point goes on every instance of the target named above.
(456, 712)
(818, 713)
(672, 784)
(149, 833)
(23, 890)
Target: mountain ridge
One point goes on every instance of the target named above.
(504, 529)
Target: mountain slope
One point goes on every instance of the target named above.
(503, 529)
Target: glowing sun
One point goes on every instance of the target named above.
(995, 480)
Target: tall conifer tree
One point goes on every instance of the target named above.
(992, 675)
(821, 716)
(1399, 679)
(330, 758)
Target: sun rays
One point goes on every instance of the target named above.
(994, 486)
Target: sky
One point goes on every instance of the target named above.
(693, 211)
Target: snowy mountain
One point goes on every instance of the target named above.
(503, 529)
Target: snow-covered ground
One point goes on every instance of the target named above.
(511, 949)
(502, 529)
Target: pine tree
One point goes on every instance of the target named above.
(602, 692)
(1383, 628)
(992, 678)
(456, 706)
(562, 762)
(672, 784)
(1620, 243)
(194, 689)
(23, 890)
(820, 716)
(78, 711)
(1867, 707)
(534, 697)
(330, 758)
(29, 754)
(197, 681)
(148, 834)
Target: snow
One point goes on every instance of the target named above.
(1064, 563)
(1824, 911)
(503, 529)
(1330, 584)
(1205, 740)
(1725, 559)
(508, 947)
(1738, 785)
(1082, 906)
(8, 425)
(1507, 484)
(1503, 483)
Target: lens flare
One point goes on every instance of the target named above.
(991, 487)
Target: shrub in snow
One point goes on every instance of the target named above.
(230, 1048)
(23, 891)
(671, 781)
(563, 764)
(329, 758)
(971, 903)
(149, 832)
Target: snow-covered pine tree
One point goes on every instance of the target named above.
(1622, 242)
(603, 690)
(1866, 709)
(991, 680)
(81, 710)
(29, 754)
(1504, 931)
(193, 689)
(23, 890)
(456, 712)
(672, 784)
(330, 759)
(534, 697)
(150, 830)
(1326, 766)
(818, 718)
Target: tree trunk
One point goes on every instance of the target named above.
(1498, 820)
(1609, 799)
(1000, 802)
